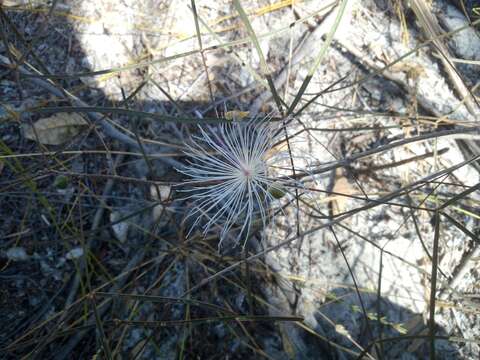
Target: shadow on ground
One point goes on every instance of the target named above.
(45, 311)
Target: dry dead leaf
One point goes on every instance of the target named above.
(55, 130)
(338, 203)
(236, 115)
(1, 166)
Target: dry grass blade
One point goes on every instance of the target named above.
(199, 38)
(241, 318)
(106, 250)
(433, 31)
(466, 262)
(253, 37)
(460, 196)
(409, 337)
(433, 286)
(128, 112)
(163, 299)
(263, 64)
(382, 200)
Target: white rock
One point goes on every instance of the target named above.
(120, 229)
(17, 254)
(159, 215)
(75, 253)
(164, 191)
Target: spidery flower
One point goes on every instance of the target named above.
(228, 167)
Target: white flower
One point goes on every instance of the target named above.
(229, 169)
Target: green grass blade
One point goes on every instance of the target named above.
(433, 285)
(127, 112)
(319, 57)
(263, 64)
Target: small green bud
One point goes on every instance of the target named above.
(276, 191)
(61, 182)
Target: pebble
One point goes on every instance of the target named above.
(119, 229)
(75, 253)
(17, 254)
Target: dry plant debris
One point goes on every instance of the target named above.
(368, 250)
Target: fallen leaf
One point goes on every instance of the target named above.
(55, 130)
(342, 186)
